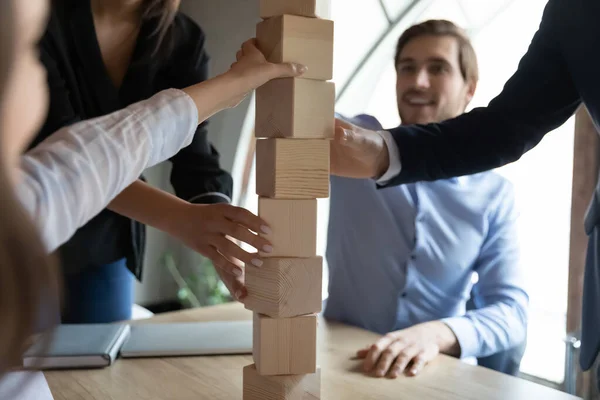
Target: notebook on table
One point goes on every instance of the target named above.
(24, 385)
(189, 339)
(77, 346)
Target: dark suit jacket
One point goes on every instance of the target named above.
(560, 70)
(80, 88)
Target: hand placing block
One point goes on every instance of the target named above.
(293, 224)
(290, 387)
(285, 287)
(295, 108)
(304, 8)
(292, 169)
(284, 346)
(289, 38)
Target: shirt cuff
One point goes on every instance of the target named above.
(394, 156)
(466, 334)
(210, 198)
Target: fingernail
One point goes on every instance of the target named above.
(413, 371)
(267, 248)
(237, 272)
(257, 263)
(346, 135)
(380, 372)
(238, 294)
(266, 230)
(301, 68)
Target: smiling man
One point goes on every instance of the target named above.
(402, 260)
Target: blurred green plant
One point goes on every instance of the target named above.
(202, 287)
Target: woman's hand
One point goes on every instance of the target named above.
(253, 69)
(210, 229)
(227, 90)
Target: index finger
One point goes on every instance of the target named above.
(375, 352)
(247, 219)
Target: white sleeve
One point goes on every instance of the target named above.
(73, 175)
(394, 156)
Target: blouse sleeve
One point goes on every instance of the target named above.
(71, 176)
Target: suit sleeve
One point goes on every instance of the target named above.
(538, 98)
(196, 175)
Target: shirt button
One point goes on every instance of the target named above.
(413, 256)
(403, 294)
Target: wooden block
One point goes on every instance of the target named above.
(309, 41)
(284, 346)
(293, 224)
(288, 387)
(285, 287)
(295, 108)
(303, 8)
(292, 169)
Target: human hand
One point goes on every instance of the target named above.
(210, 229)
(254, 69)
(404, 351)
(356, 152)
(235, 284)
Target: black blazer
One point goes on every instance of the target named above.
(560, 71)
(80, 88)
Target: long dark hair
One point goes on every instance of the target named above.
(28, 278)
(163, 12)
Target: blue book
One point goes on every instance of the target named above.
(77, 346)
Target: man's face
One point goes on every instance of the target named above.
(429, 85)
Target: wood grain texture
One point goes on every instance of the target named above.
(293, 224)
(284, 346)
(220, 377)
(287, 387)
(290, 38)
(303, 8)
(295, 108)
(285, 287)
(292, 169)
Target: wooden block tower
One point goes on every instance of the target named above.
(294, 123)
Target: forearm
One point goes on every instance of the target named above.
(148, 205)
(491, 329)
(76, 172)
(217, 94)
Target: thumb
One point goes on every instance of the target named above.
(290, 70)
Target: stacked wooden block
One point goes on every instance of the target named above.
(294, 123)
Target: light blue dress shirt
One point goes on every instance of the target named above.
(405, 255)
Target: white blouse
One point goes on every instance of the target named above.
(73, 175)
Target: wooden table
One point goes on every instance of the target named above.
(220, 377)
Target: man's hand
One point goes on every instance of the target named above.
(211, 229)
(408, 350)
(357, 153)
